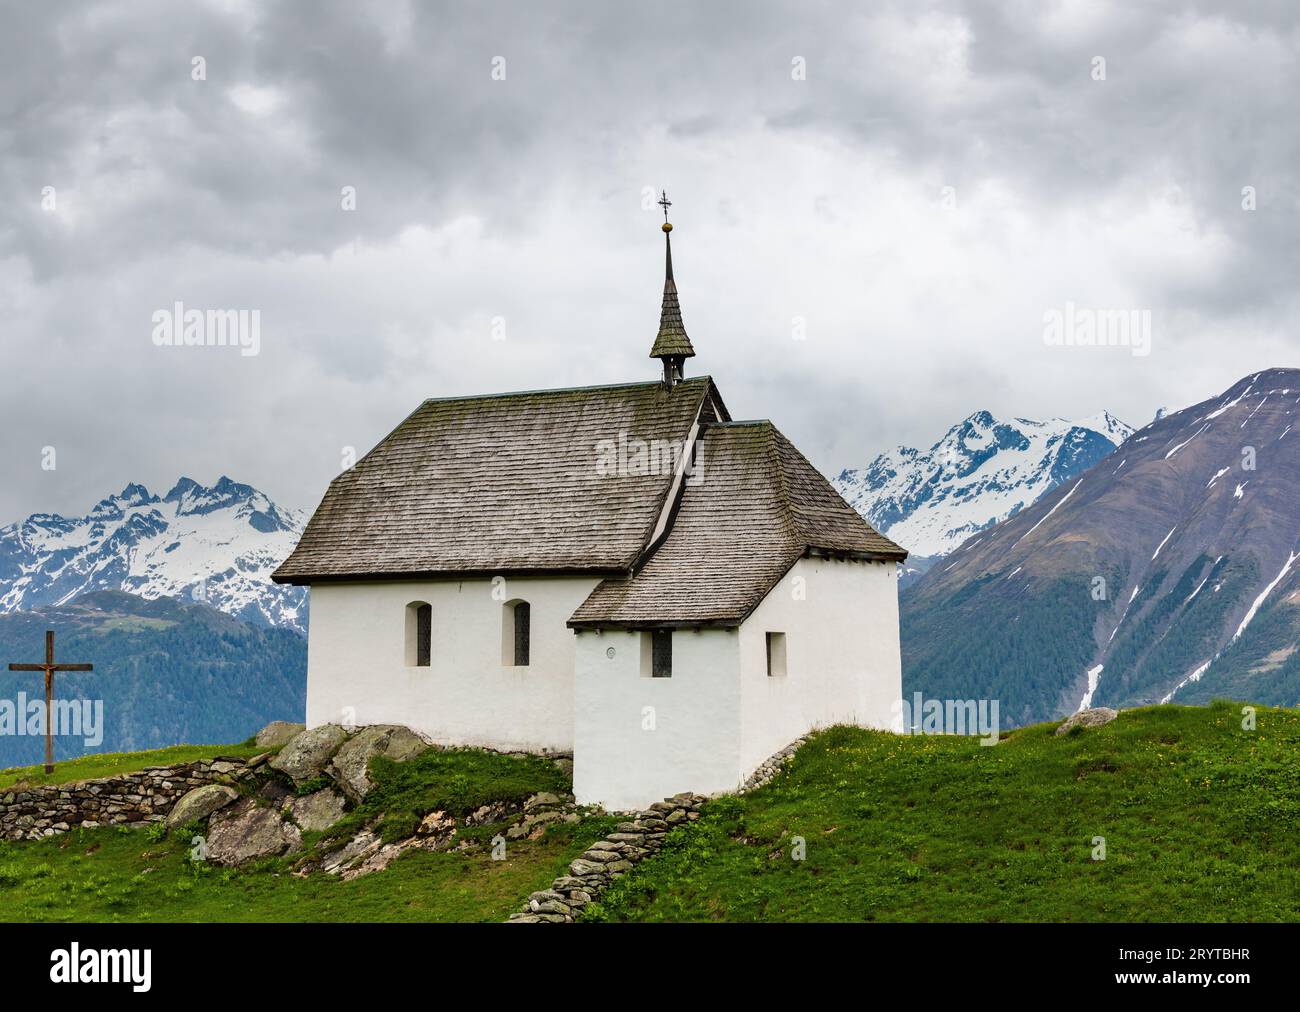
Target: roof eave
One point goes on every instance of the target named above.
(856, 555)
(303, 580)
(643, 625)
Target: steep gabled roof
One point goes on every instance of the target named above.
(502, 483)
(752, 508)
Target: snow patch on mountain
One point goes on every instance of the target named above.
(982, 471)
(1254, 608)
(1094, 677)
(217, 545)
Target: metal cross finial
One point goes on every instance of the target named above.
(665, 203)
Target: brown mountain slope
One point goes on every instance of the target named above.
(1147, 566)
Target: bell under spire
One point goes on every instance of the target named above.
(672, 346)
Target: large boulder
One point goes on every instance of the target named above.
(247, 831)
(350, 764)
(200, 803)
(1094, 717)
(277, 733)
(307, 754)
(316, 811)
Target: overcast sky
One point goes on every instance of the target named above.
(501, 155)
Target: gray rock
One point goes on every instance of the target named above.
(276, 792)
(349, 766)
(436, 824)
(245, 832)
(278, 733)
(492, 812)
(359, 847)
(307, 754)
(1094, 717)
(200, 803)
(567, 882)
(542, 800)
(380, 859)
(316, 811)
(597, 857)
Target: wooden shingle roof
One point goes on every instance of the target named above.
(502, 483)
(754, 507)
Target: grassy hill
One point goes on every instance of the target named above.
(118, 873)
(1200, 818)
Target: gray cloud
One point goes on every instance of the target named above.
(522, 200)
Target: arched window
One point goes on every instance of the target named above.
(516, 628)
(419, 634)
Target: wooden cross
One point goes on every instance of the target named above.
(49, 667)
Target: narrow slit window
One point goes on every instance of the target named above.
(419, 634)
(776, 655)
(423, 635)
(523, 621)
(661, 653)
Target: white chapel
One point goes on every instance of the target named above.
(622, 571)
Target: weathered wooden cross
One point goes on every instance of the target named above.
(49, 667)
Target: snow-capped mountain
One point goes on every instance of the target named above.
(982, 471)
(215, 545)
(1171, 572)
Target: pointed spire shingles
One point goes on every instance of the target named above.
(672, 339)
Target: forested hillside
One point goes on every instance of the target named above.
(166, 672)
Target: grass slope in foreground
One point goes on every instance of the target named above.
(143, 874)
(1201, 820)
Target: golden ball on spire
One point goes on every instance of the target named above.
(666, 227)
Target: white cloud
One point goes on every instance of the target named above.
(823, 199)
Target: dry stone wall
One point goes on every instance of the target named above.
(771, 766)
(607, 859)
(630, 843)
(29, 813)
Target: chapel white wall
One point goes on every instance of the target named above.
(637, 739)
(356, 661)
(843, 664)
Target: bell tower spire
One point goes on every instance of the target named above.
(672, 346)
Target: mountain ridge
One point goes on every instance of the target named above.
(1166, 573)
(217, 544)
(981, 471)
